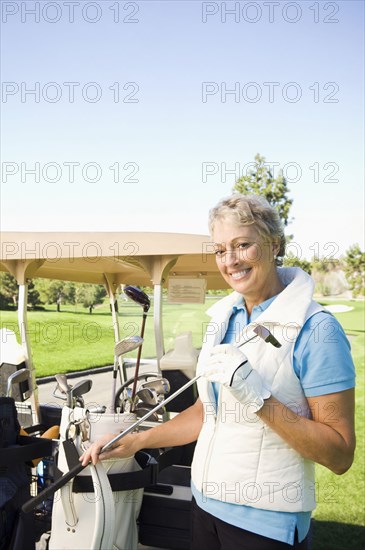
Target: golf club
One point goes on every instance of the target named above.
(147, 396)
(125, 404)
(138, 296)
(62, 388)
(141, 298)
(160, 385)
(18, 376)
(73, 394)
(267, 336)
(124, 393)
(78, 390)
(121, 348)
(142, 409)
(97, 410)
(62, 382)
(31, 504)
(129, 343)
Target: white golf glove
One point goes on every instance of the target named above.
(230, 367)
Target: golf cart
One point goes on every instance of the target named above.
(132, 259)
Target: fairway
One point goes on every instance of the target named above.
(73, 340)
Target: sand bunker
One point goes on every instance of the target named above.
(338, 308)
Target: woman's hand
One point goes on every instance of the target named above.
(230, 367)
(125, 447)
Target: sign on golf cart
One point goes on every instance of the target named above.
(186, 291)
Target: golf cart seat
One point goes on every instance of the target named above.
(178, 366)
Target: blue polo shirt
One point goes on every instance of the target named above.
(322, 361)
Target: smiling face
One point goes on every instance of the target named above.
(246, 261)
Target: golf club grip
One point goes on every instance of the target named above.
(32, 503)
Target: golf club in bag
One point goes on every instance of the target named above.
(121, 348)
(259, 330)
(141, 298)
(123, 397)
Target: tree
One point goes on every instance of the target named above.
(355, 270)
(51, 291)
(34, 298)
(260, 181)
(290, 260)
(56, 292)
(9, 290)
(324, 265)
(91, 295)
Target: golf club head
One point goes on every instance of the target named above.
(138, 296)
(142, 409)
(74, 395)
(147, 396)
(61, 380)
(127, 344)
(126, 401)
(266, 335)
(160, 385)
(82, 387)
(18, 376)
(97, 410)
(59, 393)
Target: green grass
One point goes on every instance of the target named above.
(352, 321)
(339, 517)
(74, 340)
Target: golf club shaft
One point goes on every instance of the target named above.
(134, 389)
(129, 343)
(114, 386)
(35, 501)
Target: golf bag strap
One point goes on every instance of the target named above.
(169, 457)
(104, 510)
(118, 482)
(103, 530)
(71, 453)
(68, 505)
(26, 450)
(146, 477)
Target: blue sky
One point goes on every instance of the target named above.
(162, 133)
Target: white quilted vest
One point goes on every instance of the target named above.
(238, 458)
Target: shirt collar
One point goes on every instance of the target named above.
(260, 307)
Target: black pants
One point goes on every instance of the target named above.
(211, 533)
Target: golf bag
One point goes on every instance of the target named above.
(16, 529)
(99, 508)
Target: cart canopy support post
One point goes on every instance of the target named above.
(23, 271)
(158, 268)
(112, 287)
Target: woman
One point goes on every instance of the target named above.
(264, 415)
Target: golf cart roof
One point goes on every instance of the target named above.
(125, 258)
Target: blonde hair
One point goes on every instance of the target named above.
(251, 210)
